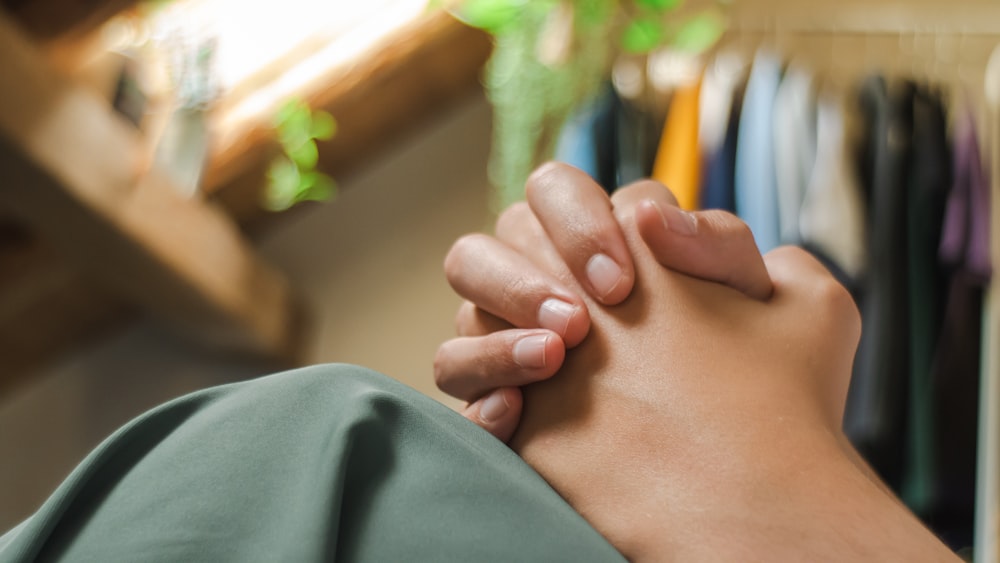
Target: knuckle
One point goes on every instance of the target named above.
(837, 304)
(790, 254)
(517, 292)
(640, 190)
(512, 219)
(738, 227)
(729, 226)
(461, 250)
(541, 179)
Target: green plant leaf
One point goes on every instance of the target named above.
(305, 155)
(699, 33)
(283, 182)
(642, 35)
(490, 15)
(294, 124)
(324, 126)
(594, 12)
(659, 5)
(306, 181)
(323, 188)
(285, 112)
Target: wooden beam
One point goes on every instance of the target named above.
(56, 20)
(74, 171)
(414, 75)
(420, 71)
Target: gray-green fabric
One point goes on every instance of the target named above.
(319, 464)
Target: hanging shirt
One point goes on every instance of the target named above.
(965, 237)
(929, 181)
(678, 162)
(794, 147)
(587, 139)
(719, 84)
(875, 416)
(954, 380)
(831, 217)
(718, 189)
(637, 133)
(756, 190)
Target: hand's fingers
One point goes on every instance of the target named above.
(518, 228)
(470, 367)
(498, 413)
(473, 321)
(712, 245)
(576, 214)
(504, 283)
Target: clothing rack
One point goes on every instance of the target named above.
(955, 43)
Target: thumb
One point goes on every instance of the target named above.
(713, 245)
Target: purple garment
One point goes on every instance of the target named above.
(965, 238)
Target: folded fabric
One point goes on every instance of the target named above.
(319, 464)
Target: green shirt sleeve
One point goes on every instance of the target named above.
(319, 464)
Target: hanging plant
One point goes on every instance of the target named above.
(292, 175)
(552, 55)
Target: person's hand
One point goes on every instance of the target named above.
(696, 423)
(518, 320)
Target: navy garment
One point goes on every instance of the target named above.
(587, 140)
(718, 189)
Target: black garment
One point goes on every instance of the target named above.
(876, 404)
(955, 376)
(929, 185)
(637, 134)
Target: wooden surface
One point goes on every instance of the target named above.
(62, 20)
(48, 305)
(407, 80)
(74, 173)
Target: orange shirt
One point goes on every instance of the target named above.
(678, 159)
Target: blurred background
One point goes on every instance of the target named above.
(194, 192)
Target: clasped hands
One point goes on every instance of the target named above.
(682, 392)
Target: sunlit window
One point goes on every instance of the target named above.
(251, 55)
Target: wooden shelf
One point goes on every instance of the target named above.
(411, 77)
(109, 241)
(74, 172)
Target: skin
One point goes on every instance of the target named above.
(480, 366)
(700, 420)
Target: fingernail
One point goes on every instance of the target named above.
(677, 220)
(555, 314)
(493, 407)
(529, 352)
(604, 274)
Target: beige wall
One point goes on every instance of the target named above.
(369, 265)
